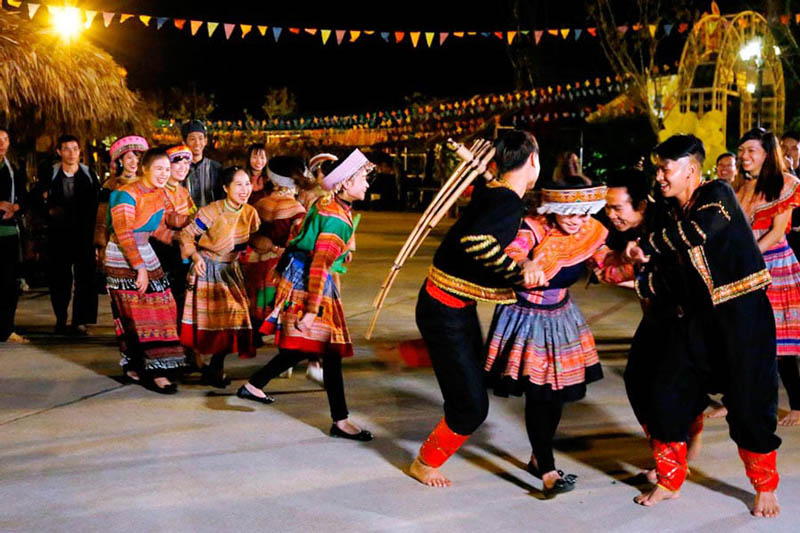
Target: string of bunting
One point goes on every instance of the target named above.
(430, 38)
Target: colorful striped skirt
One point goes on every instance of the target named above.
(216, 317)
(784, 295)
(329, 334)
(545, 350)
(261, 281)
(145, 325)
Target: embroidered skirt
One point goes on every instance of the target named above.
(784, 295)
(216, 316)
(261, 281)
(328, 335)
(545, 350)
(145, 325)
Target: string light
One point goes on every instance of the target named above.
(66, 21)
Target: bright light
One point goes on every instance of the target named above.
(777, 50)
(751, 87)
(751, 50)
(66, 21)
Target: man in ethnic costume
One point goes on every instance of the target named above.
(720, 330)
(471, 265)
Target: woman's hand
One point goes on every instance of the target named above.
(199, 264)
(533, 277)
(142, 279)
(304, 324)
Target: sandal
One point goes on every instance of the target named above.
(565, 484)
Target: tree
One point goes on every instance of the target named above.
(279, 102)
(181, 104)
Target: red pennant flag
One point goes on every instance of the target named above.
(179, 23)
(499, 35)
(684, 26)
(537, 36)
(398, 36)
(296, 31)
(442, 38)
(592, 31)
(339, 36)
(107, 17)
(785, 20)
(622, 29)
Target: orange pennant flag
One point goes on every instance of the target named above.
(398, 36)
(637, 27)
(510, 35)
(311, 31)
(498, 34)
(179, 23)
(325, 34)
(414, 37)
(296, 31)
(564, 33)
(124, 17)
(472, 33)
(262, 30)
(592, 31)
(458, 34)
(369, 32)
(245, 29)
(652, 28)
(797, 18)
(429, 38)
(145, 19)
(195, 25)
(554, 33)
(354, 35)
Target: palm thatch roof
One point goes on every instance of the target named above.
(49, 87)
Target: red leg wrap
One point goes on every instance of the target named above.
(697, 427)
(761, 469)
(670, 463)
(440, 445)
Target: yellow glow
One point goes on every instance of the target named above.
(751, 87)
(66, 21)
(751, 50)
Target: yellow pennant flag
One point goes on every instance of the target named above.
(15, 3)
(325, 35)
(652, 28)
(414, 37)
(354, 35)
(458, 34)
(245, 29)
(195, 25)
(145, 19)
(429, 38)
(564, 33)
(90, 15)
(124, 17)
(510, 36)
(211, 27)
(369, 32)
(262, 30)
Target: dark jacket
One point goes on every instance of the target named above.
(20, 184)
(204, 182)
(73, 220)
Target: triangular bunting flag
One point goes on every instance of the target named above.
(592, 31)
(90, 15)
(578, 32)
(195, 25)
(369, 32)
(32, 9)
(211, 27)
(684, 26)
(245, 29)
(525, 32)
(537, 36)
(510, 36)
(160, 22)
(668, 29)
(458, 34)
(179, 23)
(486, 34)
(637, 27)
(276, 32)
(340, 36)
(262, 30)
(311, 31)
(414, 37)
(554, 33)
(472, 33)
(652, 28)
(429, 38)
(15, 3)
(442, 38)
(228, 29)
(564, 33)
(499, 35)
(145, 19)
(385, 36)
(797, 18)
(354, 35)
(398, 36)
(325, 34)
(785, 20)
(622, 29)
(296, 31)
(124, 17)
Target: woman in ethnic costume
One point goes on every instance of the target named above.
(216, 318)
(256, 168)
(768, 194)
(311, 189)
(541, 346)
(308, 319)
(145, 316)
(125, 155)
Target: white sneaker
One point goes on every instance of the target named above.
(314, 373)
(286, 375)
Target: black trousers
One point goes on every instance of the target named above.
(730, 349)
(71, 260)
(790, 375)
(331, 376)
(9, 288)
(541, 422)
(455, 345)
(176, 271)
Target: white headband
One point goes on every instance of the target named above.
(352, 165)
(283, 182)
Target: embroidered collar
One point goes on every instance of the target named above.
(229, 207)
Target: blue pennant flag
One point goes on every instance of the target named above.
(276, 32)
(668, 28)
(385, 36)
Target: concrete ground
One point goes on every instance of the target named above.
(81, 452)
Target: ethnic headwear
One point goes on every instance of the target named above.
(572, 199)
(178, 152)
(281, 168)
(131, 143)
(315, 162)
(356, 163)
(192, 126)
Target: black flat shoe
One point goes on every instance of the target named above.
(565, 484)
(218, 381)
(245, 394)
(150, 385)
(362, 436)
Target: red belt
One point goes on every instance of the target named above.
(445, 298)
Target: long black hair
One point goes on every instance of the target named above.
(770, 178)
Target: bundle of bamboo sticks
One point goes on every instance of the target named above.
(474, 161)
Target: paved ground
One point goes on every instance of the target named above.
(80, 452)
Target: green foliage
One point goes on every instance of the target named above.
(279, 102)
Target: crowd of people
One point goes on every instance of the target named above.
(199, 262)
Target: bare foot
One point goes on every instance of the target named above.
(162, 382)
(348, 427)
(656, 495)
(427, 475)
(133, 375)
(16, 338)
(766, 505)
(255, 391)
(695, 445)
(651, 475)
(792, 418)
(717, 412)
